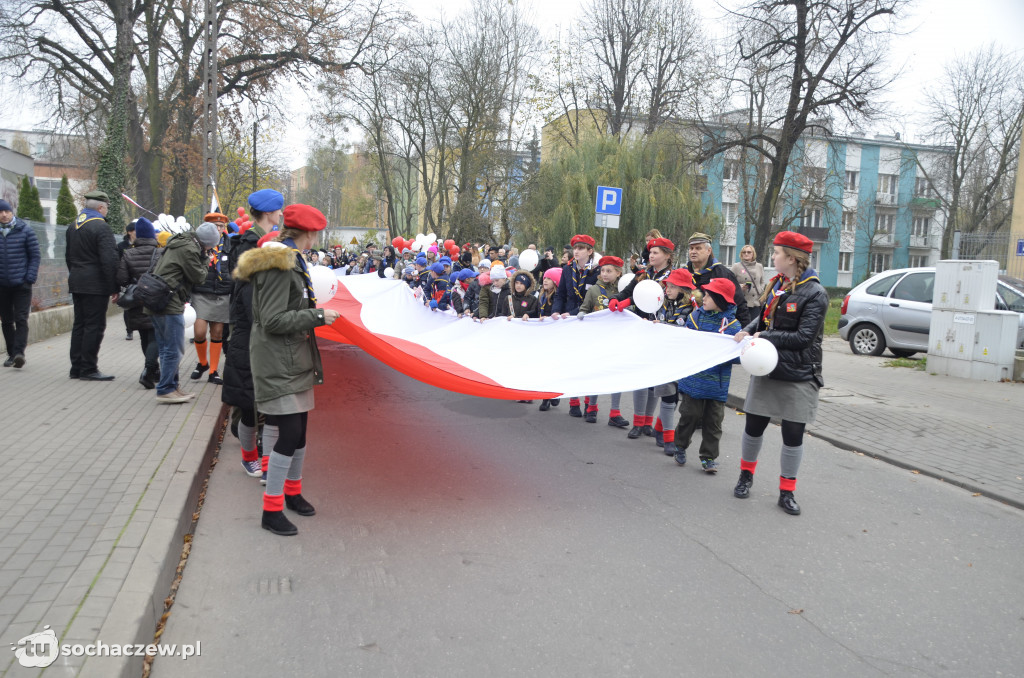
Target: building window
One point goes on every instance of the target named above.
(816, 179)
(730, 170)
(880, 262)
(887, 183)
(921, 226)
(918, 260)
(729, 213)
(884, 222)
(851, 180)
(849, 222)
(727, 253)
(40, 148)
(845, 262)
(810, 217)
(922, 188)
(48, 188)
(46, 215)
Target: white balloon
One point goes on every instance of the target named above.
(190, 316)
(648, 296)
(389, 273)
(528, 260)
(759, 357)
(419, 237)
(190, 332)
(625, 280)
(416, 246)
(431, 238)
(325, 283)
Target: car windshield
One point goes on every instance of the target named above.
(881, 287)
(1011, 298)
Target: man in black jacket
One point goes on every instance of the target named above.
(19, 266)
(91, 256)
(705, 268)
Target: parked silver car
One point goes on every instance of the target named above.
(894, 309)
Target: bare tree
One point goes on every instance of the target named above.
(978, 111)
(804, 62)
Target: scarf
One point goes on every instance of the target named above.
(776, 290)
(578, 280)
(288, 242)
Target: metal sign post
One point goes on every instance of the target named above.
(607, 211)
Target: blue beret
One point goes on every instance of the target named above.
(421, 260)
(266, 200)
(468, 273)
(454, 278)
(445, 261)
(437, 267)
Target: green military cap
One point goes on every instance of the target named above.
(97, 195)
(699, 237)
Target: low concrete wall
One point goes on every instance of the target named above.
(51, 322)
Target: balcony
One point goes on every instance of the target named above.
(921, 241)
(922, 203)
(888, 199)
(882, 239)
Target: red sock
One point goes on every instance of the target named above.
(657, 425)
(748, 465)
(648, 420)
(586, 400)
(574, 402)
(250, 455)
(614, 413)
(788, 484)
(273, 502)
(638, 420)
(265, 462)
(293, 487)
(591, 408)
(669, 435)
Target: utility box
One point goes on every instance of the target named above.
(996, 337)
(965, 285)
(951, 334)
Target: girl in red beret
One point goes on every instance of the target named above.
(598, 298)
(577, 277)
(792, 318)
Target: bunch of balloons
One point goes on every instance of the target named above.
(426, 243)
(165, 222)
(243, 221)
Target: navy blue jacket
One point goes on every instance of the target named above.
(566, 298)
(712, 383)
(19, 255)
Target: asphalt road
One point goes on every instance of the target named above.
(457, 536)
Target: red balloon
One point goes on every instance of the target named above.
(398, 241)
(448, 244)
(454, 252)
(408, 244)
(241, 212)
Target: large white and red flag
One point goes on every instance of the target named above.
(605, 352)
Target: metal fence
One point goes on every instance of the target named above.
(1006, 248)
(51, 288)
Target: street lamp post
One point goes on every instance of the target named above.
(255, 125)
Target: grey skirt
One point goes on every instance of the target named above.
(795, 401)
(213, 308)
(293, 403)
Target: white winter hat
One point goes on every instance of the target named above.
(484, 263)
(498, 272)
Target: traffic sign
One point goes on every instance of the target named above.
(1020, 248)
(609, 200)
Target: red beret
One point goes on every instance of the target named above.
(582, 239)
(723, 287)
(304, 218)
(681, 277)
(797, 241)
(610, 261)
(267, 238)
(663, 243)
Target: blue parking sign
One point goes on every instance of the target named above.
(609, 200)
(1020, 248)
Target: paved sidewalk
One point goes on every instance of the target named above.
(969, 433)
(97, 485)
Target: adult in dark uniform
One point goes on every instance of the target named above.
(91, 256)
(705, 268)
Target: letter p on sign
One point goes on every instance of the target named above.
(609, 200)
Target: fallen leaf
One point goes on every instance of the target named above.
(863, 530)
(916, 472)
(798, 611)
(976, 494)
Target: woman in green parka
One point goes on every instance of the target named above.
(284, 356)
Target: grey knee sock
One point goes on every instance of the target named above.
(667, 414)
(640, 402)
(616, 399)
(295, 470)
(791, 457)
(652, 402)
(277, 469)
(750, 447)
(246, 436)
(270, 434)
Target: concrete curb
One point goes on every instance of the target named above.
(140, 602)
(736, 403)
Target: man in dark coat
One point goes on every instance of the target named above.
(705, 268)
(91, 255)
(19, 266)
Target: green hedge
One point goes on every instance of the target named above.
(837, 292)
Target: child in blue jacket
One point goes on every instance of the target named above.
(702, 396)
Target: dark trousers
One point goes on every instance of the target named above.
(150, 350)
(15, 303)
(709, 414)
(87, 332)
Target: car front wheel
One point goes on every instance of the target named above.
(901, 353)
(867, 340)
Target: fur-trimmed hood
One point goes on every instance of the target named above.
(529, 288)
(264, 259)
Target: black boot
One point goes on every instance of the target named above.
(146, 381)
(590, 418)
(618, 421)
(659, 439)
(648, 431)
(574, 411)
(635, 432)
(670, 448)
(555, 401)
(742, 489)
(278, 524)
(297, 503)
(545, 405)
(788, 503)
